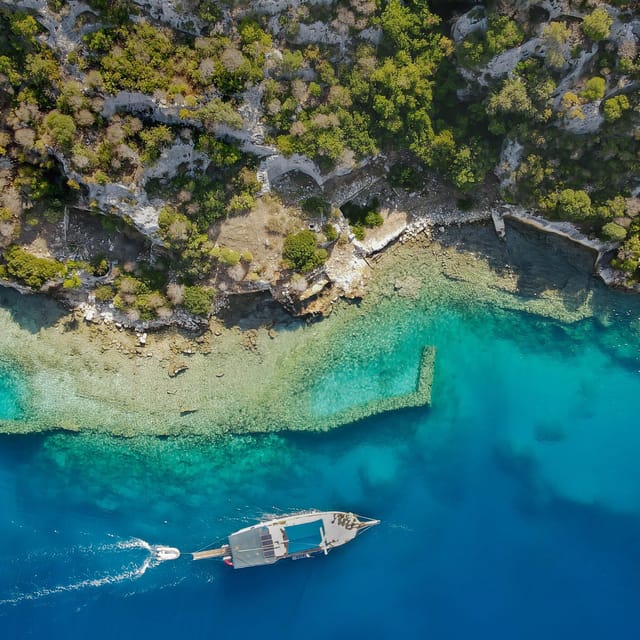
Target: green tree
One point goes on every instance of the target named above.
(512, 98)
(614, 107)
(300, 251)
(597, 25)
(154, 139)
(478, 48)
(555, 37)
(614, 231)
(31, 270)
(574, 204)
(197, 300)
(594, 89)
(62, 128)
(24, 26)
(628, 258)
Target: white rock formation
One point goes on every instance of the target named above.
(172, 12)
(507, 61)
(371, 34)
(270, 7)
(61, 32)
(136, 102)
(584, 119)
(510, 157)
(319, 32)
(180, 154)
(570, 80)
(467, 23)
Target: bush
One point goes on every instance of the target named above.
(72, 282)
(300, 251)
(594, 89)
(373, 219)
(359, 231)
(316, 206)
(62, 128)
(405, 176)
(569, 203)
(99, 266)
(241, 203)
(555, 36)
(154, 140)
(198, 300)
(330, 232)
(103, 293)
(597, 25)
(628, 257)
(614, 231)
(615, 107)
(228, 257)
(30, 269)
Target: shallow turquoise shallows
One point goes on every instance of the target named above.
(510, 508)
(11, 391)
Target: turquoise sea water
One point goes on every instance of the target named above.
(510, 508)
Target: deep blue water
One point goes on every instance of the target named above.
(510, 508)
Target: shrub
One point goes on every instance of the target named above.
(246, 257)
(597, 25)
(30, 269)
(72, 282)
(330, 232)
(300, 252)
(198, 299)
(175, 292)
(614, 231)
(229, 257)
(594, 89)
(241, 203)
(628, 257)
(149, 303)
(405, 176)
(569, 203)
(61, 127)
(502, 33)
(373, 219)
(99, 266)
(358, 231)
(154, 140)
(316, 206)
(615, 107)
(104, 293)
(555, 36)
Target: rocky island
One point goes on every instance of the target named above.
(162, 160)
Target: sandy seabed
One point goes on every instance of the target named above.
(259, 370)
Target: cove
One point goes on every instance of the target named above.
(510, 505)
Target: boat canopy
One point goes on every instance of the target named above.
(304, 537)
(252, 547)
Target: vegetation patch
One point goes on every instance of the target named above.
(31, 270)
(361, 217)
(301, 253)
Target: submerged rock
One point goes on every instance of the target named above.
(177, 367)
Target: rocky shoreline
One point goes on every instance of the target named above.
(256, 369)
(406, 215)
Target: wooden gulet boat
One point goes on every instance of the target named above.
(296, 536)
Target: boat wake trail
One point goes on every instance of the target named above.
(119, 560)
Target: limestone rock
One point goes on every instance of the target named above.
(177, 367)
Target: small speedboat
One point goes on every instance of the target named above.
(162, 553)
